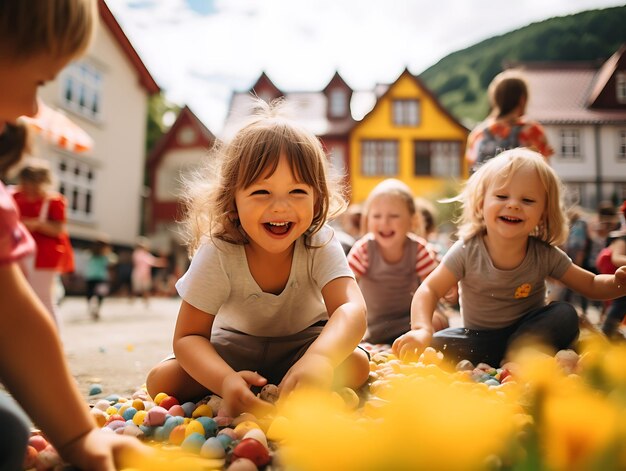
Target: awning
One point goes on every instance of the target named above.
(60, 130)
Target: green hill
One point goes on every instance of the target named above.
(460, 79)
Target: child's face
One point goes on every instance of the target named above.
(389, 219)
(513, 208)
(19, 82)
(275, 210)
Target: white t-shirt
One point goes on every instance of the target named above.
(219, 282)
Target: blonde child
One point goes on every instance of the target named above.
(390, 262)
(269, 296)
(511, 224)
(37, 39)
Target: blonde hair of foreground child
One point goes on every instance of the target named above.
(209, 194)
(553, 228)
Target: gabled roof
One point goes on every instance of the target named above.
(186, 117)
(382, 91)
(145, 79)
(307, 108)
(562, 92)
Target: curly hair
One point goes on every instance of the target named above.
(553, 228)
(255, 150)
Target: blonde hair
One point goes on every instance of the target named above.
(505, 92)
(255, 150)
(389, 187)
(62, 28)
(553, 228)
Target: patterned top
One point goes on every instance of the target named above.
(15, 240)
(531, 135)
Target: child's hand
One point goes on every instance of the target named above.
(237, 395)
(312, 369)
(101, 451)
(620, 275)
(410, 345)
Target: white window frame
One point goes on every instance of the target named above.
(569, 146)
(379, 158)
(620, 87)
(338, 103)
(77, 180)
(406, 112)
(82, 89)
(338, 160)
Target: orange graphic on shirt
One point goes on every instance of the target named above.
(522, 291)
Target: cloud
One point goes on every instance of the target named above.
(199, 51)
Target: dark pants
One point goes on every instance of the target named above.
(614, 316)
(555, 325)
(14, 433)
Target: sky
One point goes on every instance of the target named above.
(200, 51)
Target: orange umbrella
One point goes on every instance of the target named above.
(60, 130)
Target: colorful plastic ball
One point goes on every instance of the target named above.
(129, 413)
(193, 443)
(210, 426)
(188, 407)
(202, 410)
(168, 402)
(224, 439)
(176, 410)
(253, 450)
(177, 435)
(212, 448)
(159, 397)
(243, 464)
(194, 427)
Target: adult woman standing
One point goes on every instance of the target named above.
(506, 126)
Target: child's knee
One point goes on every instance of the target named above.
(354, 371)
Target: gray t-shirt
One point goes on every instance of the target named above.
(219, 282)
(491, 298)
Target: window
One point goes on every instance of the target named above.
(338, 104)
(379, 158)
(406, 112)
(437, 158)
(76, 183)
(570, 144)
(620, 87)
(621, 146)
(82, 89)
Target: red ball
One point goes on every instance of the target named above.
(253, 450)
(168, 402)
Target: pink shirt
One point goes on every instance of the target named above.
(15, 240)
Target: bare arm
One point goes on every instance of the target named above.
(28, 337)
(425, 299)
(198, 357)
(595, 286)
(49, 228)
(340, 336)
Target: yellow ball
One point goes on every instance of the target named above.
(139, 417)
(111, 410)
(159, 397)
(138, 404)
(194, 426)
(244, 427)
(203, 410)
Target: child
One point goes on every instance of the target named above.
(390, 262)
(512, 222)
(37, 39)
(506, 126)
(141, 276)
(97, 275)
(43, 213)
(269, 296)
(613, 256)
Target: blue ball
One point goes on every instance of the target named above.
(210, 426)
(129, 413)
(188, 407)
(95, 389)
(193, 443)
(225, 440)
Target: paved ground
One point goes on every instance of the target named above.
(118, 350)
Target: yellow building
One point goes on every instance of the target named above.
(410, 136)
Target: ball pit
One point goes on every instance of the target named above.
(541, 412)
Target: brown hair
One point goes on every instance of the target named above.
(62, 28)
(35, 171)
(255, 150)
(505, 92)
(15, 141)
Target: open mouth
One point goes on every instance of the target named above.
(386, 235)
(511, 220)
(277, 228)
